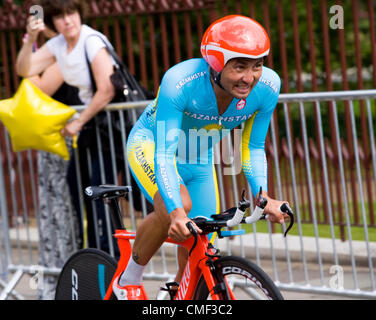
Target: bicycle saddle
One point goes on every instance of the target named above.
(106, 191)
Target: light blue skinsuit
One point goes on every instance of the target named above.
(166, 146)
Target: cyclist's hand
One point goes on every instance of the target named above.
(273, 211)
(178, 230)
(33, 27)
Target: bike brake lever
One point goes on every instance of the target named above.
(286, 209)
(243, 203)
(193, 231)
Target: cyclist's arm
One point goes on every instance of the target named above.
(169, 114)
(254, 159)
(254, 162)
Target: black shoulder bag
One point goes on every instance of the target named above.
(127, 89)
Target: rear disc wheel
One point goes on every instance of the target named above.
(86, 276)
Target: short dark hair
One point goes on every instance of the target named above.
(52, 8)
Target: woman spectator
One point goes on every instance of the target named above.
(68, 49)
(57, 223)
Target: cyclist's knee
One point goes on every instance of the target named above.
(186, 199)
(161, 210)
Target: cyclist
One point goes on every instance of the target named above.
(225, 88)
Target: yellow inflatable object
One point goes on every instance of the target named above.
(34, 120)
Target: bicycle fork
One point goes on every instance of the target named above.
(201, 263)
(217, 284)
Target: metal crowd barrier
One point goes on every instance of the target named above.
(300, 263)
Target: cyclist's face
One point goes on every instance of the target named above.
(68, 24)
(240, 75)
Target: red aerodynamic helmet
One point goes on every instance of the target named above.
(234, 36)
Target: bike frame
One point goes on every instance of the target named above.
(199, 263)
(202, 255)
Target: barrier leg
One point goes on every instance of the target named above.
(11, 285)
(14, 293)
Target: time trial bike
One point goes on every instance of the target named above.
(88, 274)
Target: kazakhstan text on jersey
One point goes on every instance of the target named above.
(183, 125)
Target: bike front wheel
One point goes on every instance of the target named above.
(244, 278)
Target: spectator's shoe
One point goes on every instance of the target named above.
(130, 292)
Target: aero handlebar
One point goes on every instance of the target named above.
(233, 219)
(258, 212)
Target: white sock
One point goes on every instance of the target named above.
(132, 274)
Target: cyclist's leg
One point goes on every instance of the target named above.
(201, 182)
(153, 230)
(140, 154)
